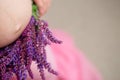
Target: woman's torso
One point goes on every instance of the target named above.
(14, 16)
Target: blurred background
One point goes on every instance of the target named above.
(95, 27)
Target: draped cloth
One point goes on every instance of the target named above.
(72, 63)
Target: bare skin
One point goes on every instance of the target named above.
(14, 17)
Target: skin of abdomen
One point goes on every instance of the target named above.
(14, 17)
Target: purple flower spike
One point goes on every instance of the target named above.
(48, 34)
(30, 46)
(51, 37)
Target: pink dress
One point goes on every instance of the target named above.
(71, 62)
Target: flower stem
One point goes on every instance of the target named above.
(35, 11)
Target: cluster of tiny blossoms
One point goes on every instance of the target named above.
(17, 57)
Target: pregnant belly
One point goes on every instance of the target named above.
(14, 16)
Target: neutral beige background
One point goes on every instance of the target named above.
(95, 26)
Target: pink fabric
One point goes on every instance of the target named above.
(72, 63)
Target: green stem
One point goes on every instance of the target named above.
(35, 11)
